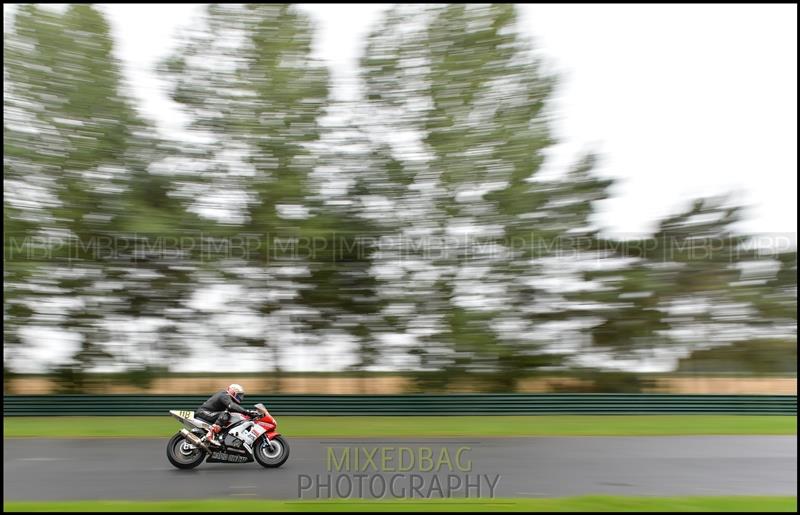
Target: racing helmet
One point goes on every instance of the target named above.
(236, 392)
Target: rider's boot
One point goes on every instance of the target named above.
(211, 436)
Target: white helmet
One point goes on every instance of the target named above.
(237, 392)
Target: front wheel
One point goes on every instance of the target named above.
(271, 456)
(183, 454)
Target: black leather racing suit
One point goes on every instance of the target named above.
(215, 409)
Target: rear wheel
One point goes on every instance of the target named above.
(183, 454)
(271, 453)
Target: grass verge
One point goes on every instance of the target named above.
(426, 426)
(566, 504)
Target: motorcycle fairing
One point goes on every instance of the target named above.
(188, 419)
(230, 456)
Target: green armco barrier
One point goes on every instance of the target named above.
(419, 404)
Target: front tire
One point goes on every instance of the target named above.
(273, 458)
(182, 454)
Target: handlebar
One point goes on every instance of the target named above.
(250, 413)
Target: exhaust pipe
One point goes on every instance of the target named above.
(193, 438)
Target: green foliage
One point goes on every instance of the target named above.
(74, 137)
(758, 356)
(411, 226)
(471, 86)
(602, 381)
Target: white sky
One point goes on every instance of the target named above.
(679, 100)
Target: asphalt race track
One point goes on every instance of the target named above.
(502, 467)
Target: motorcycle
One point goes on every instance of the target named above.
(242, 441)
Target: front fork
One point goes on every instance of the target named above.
(268, 440)
(249, 448)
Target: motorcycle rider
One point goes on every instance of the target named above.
(216, 408)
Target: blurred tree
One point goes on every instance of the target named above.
(756, 357)
(776, 297)
(253, 95)
(63, 76)
(464, 87)
(19, 229)
(77, 153)
(698, 256)
(24, 200)
(412, 228)
(342, 286)
(678, 291)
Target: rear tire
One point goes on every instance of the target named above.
(274, 458)
(181, 455)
